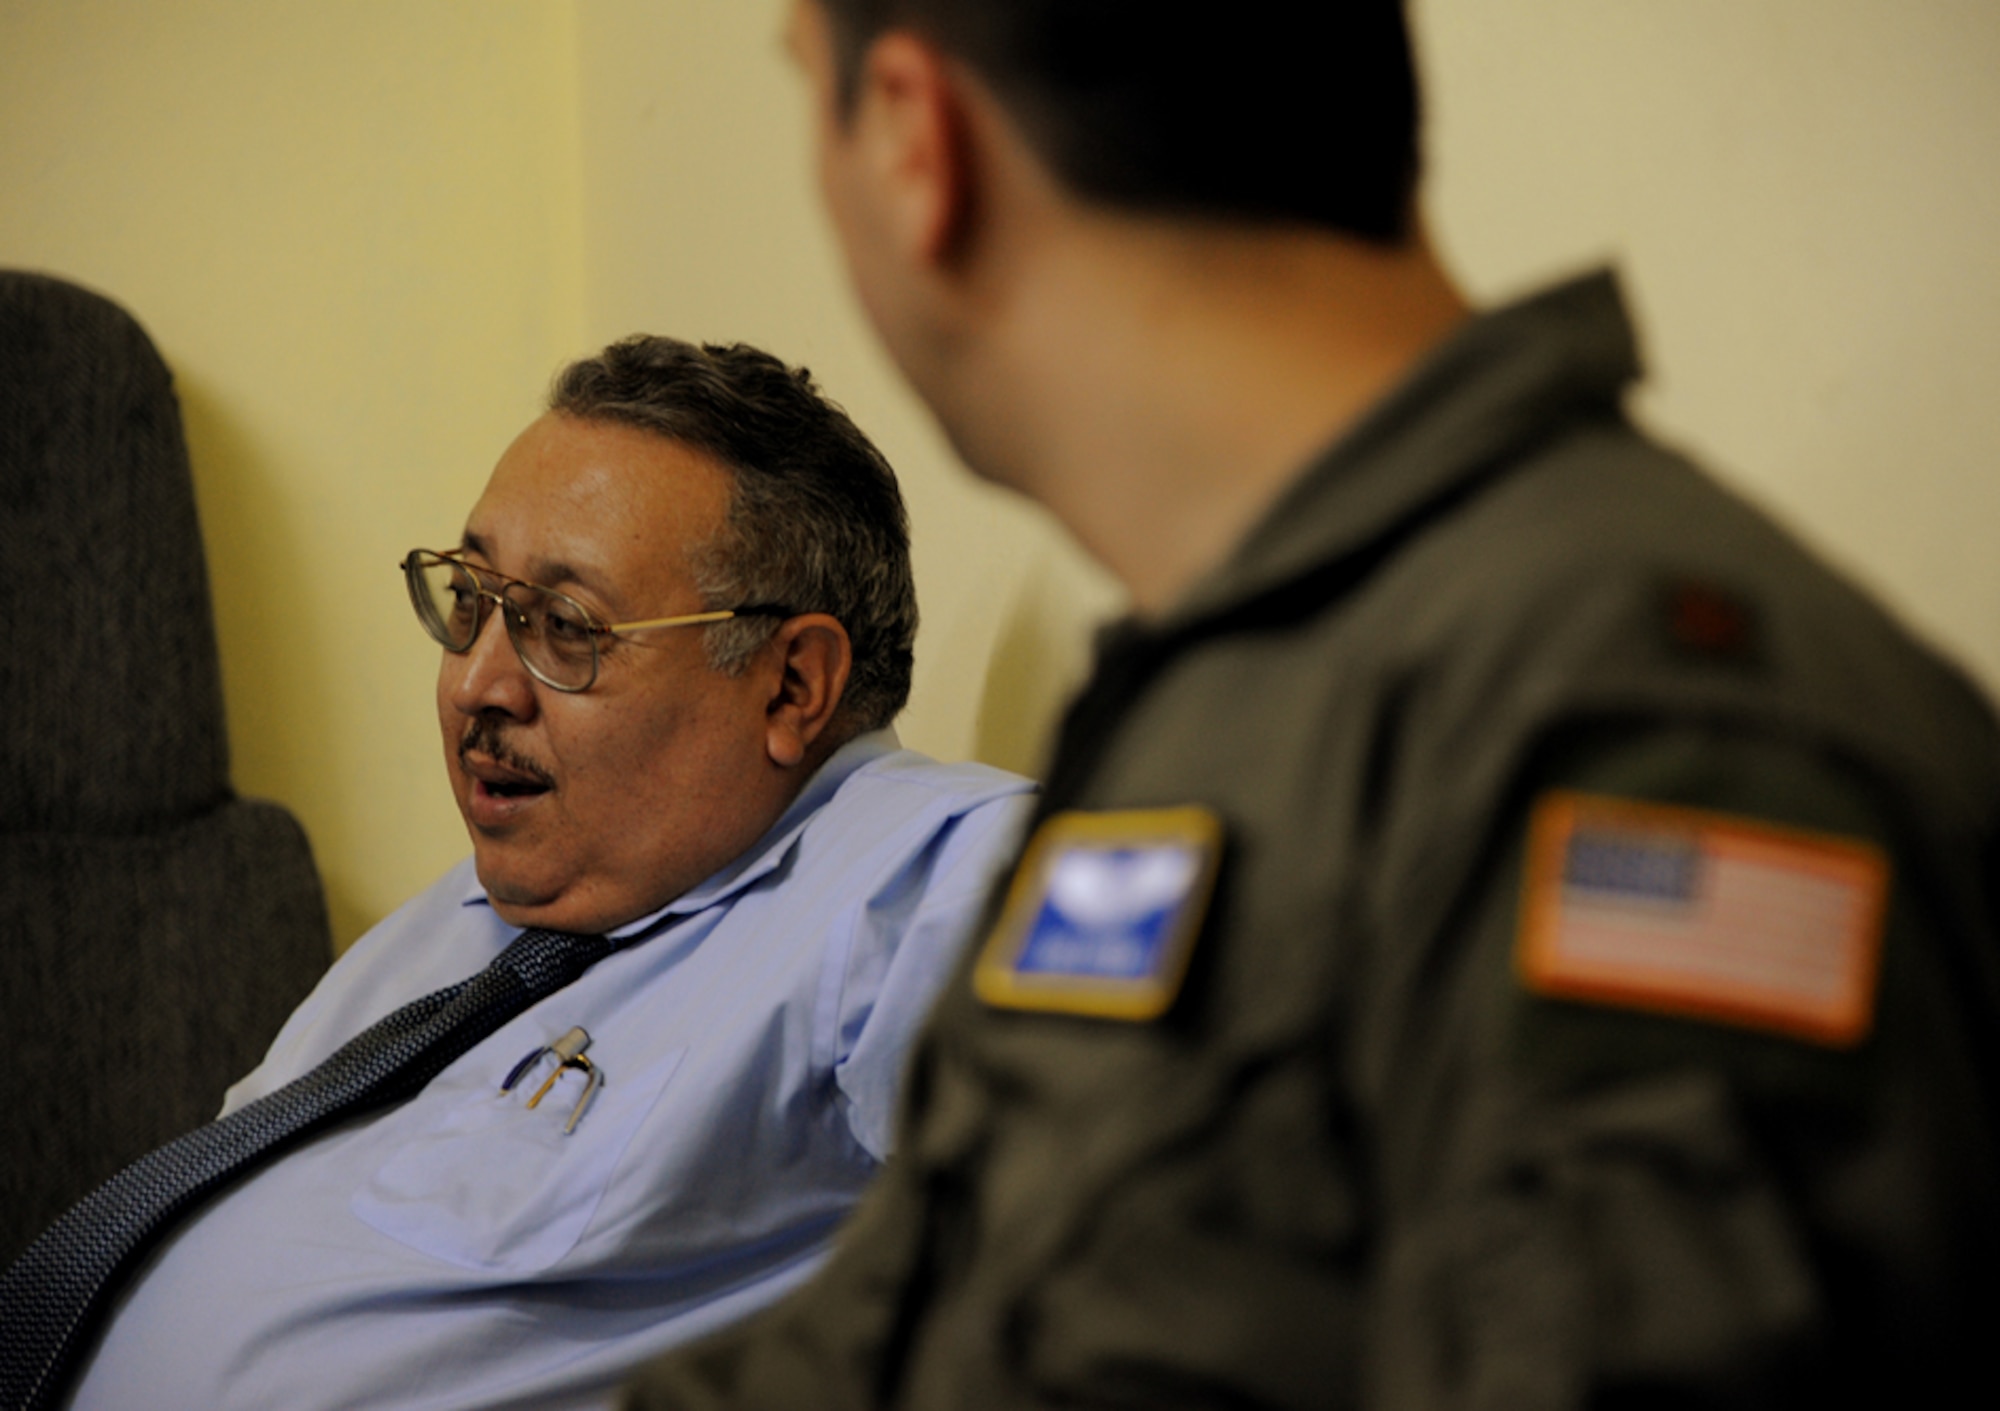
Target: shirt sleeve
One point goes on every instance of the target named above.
(908, 943)
(1590, 1201)
(827, 1345)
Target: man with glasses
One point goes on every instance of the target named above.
(675, 631)
(1508, 927)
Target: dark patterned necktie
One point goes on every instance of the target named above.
(53, 1297)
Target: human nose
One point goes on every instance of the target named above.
(489, 676)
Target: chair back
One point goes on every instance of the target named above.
(155, 929)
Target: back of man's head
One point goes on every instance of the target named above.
(816, 523)
(1261, 110)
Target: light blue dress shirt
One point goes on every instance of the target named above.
(461, 1251)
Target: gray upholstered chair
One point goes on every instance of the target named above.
(154, 928)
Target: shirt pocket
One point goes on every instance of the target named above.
(481, 1181)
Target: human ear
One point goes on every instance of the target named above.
(814, 657)
(910, 121)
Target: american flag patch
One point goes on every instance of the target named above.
(1704, 915)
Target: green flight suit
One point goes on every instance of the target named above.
(1359, 1162)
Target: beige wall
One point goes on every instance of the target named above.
(352, 231)
(364, 234)
(1803, 196)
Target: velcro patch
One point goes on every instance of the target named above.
(1103, 912)
(1704, 915)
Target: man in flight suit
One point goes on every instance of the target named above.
(1506, 926)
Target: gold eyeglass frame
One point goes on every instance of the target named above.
(417, 560)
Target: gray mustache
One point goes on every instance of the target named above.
(484, 736)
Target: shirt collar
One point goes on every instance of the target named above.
(762, 856)
(1499, 380)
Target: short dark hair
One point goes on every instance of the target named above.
(816, 523)
(1262, 110)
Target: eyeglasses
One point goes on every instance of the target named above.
(555, 636)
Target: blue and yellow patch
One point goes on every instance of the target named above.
(1102, 915)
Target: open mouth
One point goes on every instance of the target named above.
(496, 771)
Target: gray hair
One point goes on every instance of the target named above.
(815, 523)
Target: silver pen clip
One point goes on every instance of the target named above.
(568, 1052)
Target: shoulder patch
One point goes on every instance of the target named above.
(1102, 914)
(1706, 620)
(1704, 915)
